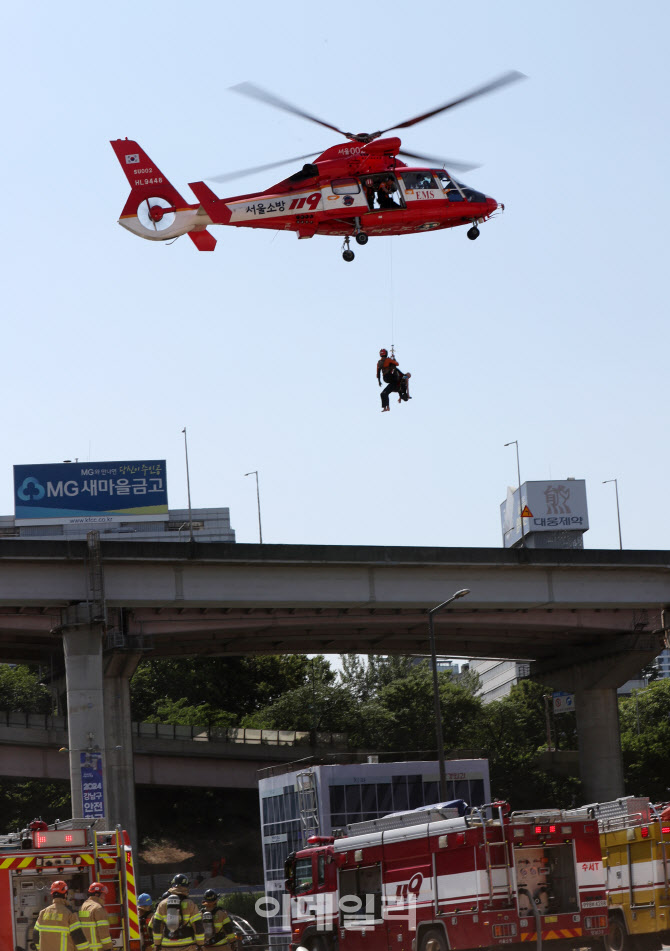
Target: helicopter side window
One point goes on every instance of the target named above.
(418, 180)
(345, 186)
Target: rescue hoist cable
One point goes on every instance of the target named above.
(391, 288)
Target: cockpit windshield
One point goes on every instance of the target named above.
(453, 193)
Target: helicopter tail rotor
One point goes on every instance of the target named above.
(154, 209)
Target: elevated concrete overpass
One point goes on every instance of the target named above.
(163, 754)
(586, 620)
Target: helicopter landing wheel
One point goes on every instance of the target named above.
(473, 233)
(361, 238)
(347, 254)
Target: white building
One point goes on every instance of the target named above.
(209, 525)
(498, 676)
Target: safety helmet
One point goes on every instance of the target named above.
(210, 895)
(180, 880)
(97, 888)
(59, 888)
(144, 900)
(383, 352)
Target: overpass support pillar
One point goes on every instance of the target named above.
(593, 675)
(119, 667)
(100, 738)
(600, 761)
(82, 647)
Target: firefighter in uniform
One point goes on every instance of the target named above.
(94, 920)
(216, 922)
(57, 928)
(145, 908)
(177, 922)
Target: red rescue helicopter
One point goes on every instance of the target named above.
(358, 189)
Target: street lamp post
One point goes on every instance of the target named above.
(618, 517)
(188, 488)
(258, 499)
(436, 691)
(515, 442)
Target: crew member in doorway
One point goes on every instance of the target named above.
(57, 928)
(385, 190)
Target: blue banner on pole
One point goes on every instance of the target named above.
(92, 785)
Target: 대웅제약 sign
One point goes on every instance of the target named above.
(70, 493)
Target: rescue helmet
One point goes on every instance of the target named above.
(383, 352)
(59, 888)
(180, 880)
(210, 895)
(97, 888)
(144, 900)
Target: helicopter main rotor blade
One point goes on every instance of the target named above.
(440, 162)
(240, 173)
(510, 77)
(255, 92)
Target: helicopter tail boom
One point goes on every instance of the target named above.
(154, 209)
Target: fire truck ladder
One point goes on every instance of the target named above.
(113, 874)
(617, 814)
(477, 814)
(308, 804)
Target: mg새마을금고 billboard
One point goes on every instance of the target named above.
(71, 493)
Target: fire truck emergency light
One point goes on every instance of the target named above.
(59, 837)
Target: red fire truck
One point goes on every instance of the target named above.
(432, 880)
(77, 852)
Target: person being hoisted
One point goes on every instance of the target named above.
(396, 380)
(177, 922)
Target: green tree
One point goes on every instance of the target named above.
(410, 699)
(513, 732)
(318, 704)
(21, 691)
(366, 677)
(644, 720)
(237, 685)
(22, 800)
(202, 714)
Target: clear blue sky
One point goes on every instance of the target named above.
(551, 329)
